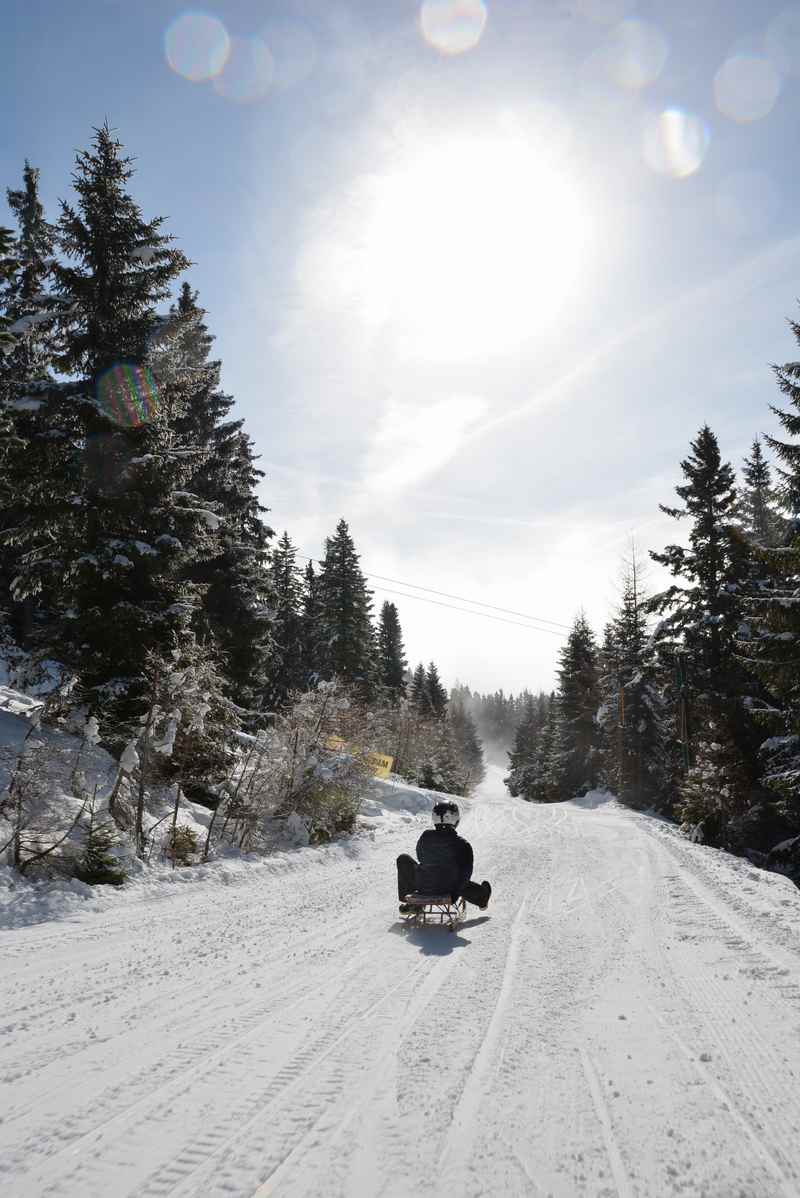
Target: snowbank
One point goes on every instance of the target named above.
(389, 807)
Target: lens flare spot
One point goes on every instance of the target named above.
(746, 87)
(675, 143)
(197, 46)
(746, 203)
(248, 73)
(127, 394)
(452, 26)
(294, 54)
(635, 54)
(782, 40)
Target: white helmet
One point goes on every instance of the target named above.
(446, 813)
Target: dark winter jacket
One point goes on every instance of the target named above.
(445, 861)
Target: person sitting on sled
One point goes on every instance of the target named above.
(445, 863)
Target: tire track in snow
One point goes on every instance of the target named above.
(465, 1115)
(421, 999)
(753, 1066)
(786, 1187)
(186, 1061)
(240, 1120)
(618, 1170)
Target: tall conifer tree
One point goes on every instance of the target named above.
(392, 662)
(578, 701)
(346, 645)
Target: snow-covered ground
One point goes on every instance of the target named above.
(623, 1020)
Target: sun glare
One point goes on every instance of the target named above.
(467, 248)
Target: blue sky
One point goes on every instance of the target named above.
(477, 302)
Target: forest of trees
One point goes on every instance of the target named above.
(143, 593)
(141, 590)
(689, 705)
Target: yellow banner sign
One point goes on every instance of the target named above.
(380, 765)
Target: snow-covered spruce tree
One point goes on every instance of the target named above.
(522, 757)
(702, 612)
(236, 582)
(126, 538)
(310, 625)
(636, 723)
(418, 692)
(576, 751)
(435, 692)
(543, 777)
(346, 644)
(391, 654)
(9, 267)
(703, 609)
(467, 744)
(24, 369)
(773, 647)
(288, 670)
(715, 792)
(758, 500)
(97, 865)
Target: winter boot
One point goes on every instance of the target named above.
(487, 890)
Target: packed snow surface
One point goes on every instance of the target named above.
(623, 1020)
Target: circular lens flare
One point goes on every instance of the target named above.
(746, 87)
(127, 394)
(248, 73)
(197, 46)
(675, 143)
(452, 26)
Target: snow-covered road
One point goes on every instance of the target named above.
(624, 1020)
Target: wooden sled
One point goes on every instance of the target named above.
(434, 908)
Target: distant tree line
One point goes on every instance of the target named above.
(690, 705)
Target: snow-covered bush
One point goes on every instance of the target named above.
(302, 768)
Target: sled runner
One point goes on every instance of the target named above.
(434, 908)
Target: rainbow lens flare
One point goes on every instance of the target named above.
(128, 394)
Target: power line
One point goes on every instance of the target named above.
(461, 598)
(466, 611)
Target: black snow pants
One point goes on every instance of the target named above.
(407, 882)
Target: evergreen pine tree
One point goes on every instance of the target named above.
(435, 692)
(23, 372)
(703, 610)
(522, 757)
(236, 580)
(715, 791)
(418, 692)
(116, 505)
(346, 644)
(288, 671)
(633, 715)
(757, 509)
(310, 625)
(774, 644)
(467, 744)
(391, 654)
(578, 701)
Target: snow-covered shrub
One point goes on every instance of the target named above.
(303, 766)
(97, 866)
(181, 845)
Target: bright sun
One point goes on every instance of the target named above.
(470, 247)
